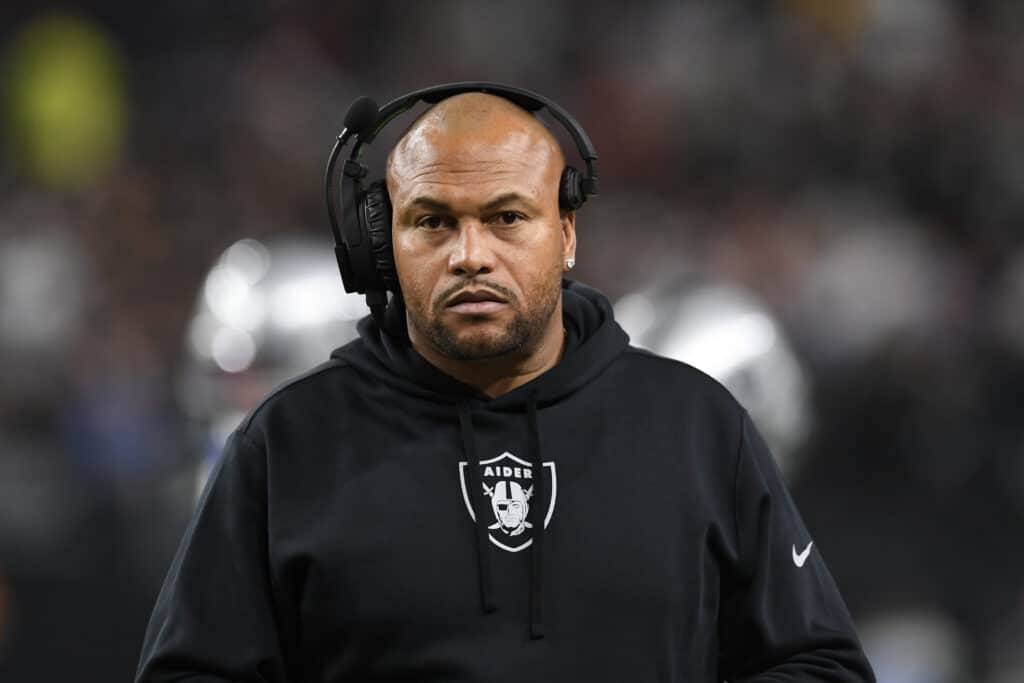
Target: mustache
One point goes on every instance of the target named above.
(474, 283)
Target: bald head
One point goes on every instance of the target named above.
(473, 130)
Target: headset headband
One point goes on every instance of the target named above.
(529, 101)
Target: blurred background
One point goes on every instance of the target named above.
(819, 202)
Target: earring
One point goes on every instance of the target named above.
(569, 263)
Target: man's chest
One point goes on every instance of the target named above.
(387, 542)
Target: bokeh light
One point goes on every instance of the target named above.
(66, 106)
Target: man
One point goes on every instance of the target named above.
(346, 534)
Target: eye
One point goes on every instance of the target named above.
(508, 218)
(431, 222)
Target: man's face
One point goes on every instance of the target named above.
(479, 242)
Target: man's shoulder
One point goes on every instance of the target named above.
(312, 390)
(673, 378)
(648, 363)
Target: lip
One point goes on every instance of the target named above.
(477, 307)
(476, 302)
(475, 295)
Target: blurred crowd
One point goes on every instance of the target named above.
(856, 165)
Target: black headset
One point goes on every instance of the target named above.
(362, 241)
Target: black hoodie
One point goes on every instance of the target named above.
(631, 526)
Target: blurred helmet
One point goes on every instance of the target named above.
(725, 332)
(267, 311)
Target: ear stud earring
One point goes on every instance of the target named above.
(569, 263)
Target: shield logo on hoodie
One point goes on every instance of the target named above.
(509, 489)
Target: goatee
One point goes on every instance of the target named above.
(519, 336)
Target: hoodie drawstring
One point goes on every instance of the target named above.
(483, 554)
(537, 515)
(538, 512)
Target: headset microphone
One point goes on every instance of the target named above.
(362, 236)
(361, 116)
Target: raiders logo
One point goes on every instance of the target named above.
(509, 486)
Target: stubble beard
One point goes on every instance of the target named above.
(520, 335)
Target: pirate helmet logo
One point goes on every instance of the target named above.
(511, 507)
(510, 484)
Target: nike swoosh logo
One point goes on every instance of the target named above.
(799, 559)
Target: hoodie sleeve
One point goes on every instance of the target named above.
(213, 620)
(783, 618)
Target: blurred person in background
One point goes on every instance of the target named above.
(642, 532)
(268, 311)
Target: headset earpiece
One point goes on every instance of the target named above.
(375, 212)
(571, 194)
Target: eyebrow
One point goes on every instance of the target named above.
(431, 204)
(507, 198)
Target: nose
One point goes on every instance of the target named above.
(471, 251)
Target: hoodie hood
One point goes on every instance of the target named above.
(593, 341)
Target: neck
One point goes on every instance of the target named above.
(499, 375)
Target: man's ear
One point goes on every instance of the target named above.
(568, 225)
